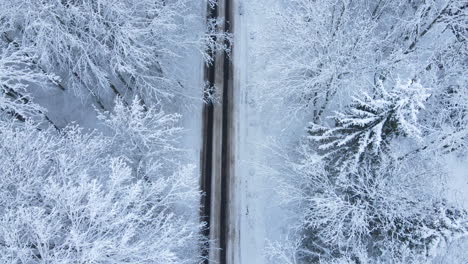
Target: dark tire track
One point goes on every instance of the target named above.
(227, 139)
(207, 148)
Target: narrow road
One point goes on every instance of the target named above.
(217, 152)
(230, 153)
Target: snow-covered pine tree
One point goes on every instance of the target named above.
(365, 205)
(364, 129)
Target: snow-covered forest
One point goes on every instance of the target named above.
(93, 165)
(378, 90)
(234, 131)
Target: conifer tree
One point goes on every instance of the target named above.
(364, 129)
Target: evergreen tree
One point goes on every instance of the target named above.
(363, 203)
(364, 129)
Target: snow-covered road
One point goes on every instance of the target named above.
(230, 150)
